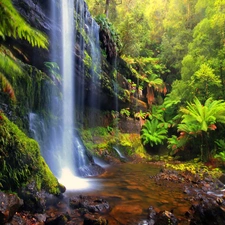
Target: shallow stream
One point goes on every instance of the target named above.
(130, 191)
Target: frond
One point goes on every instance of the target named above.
(13, 25)
(8, 64)
(153, 132)
(7, 87)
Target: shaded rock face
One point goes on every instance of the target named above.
(33, 13)
(9, 204)
(34, 201)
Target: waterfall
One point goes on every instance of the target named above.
(57, 136)
(94, 100)
(68, 125)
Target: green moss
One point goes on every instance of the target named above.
(21, 161)
(98, 140)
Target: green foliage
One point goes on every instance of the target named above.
(54, 71)
(220, 144)
(177, 143)
(13, 25)
(10, 67)
(221, 150)
(197, 117)
(125, 112)
(220, 156)
(21, 161)
(197, 122)
(7, 87)
(206, 83)
(153, 132)
(141, 115)
(107, 26)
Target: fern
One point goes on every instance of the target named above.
(153, 133)
(8, 63)
(13, 25)
(7, 87)
(198, 117)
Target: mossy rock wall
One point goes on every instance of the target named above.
(21, 162)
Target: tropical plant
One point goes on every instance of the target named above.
(153, 132)
(125, 112)
(220, 144)
(220, 156)
(198, 120)
(202, 117)
(221, 148)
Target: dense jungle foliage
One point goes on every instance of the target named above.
(176, 52)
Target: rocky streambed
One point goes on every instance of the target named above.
(137, 196)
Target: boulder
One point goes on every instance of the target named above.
(92, 204)
(94, 220)
(9, 205)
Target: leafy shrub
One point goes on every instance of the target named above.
(153, 132)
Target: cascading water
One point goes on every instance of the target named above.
(68, 84)
(93, 31)
(74, 155)
(59, 140)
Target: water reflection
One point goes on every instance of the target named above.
(130, 191)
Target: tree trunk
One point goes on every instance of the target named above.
(107, 8)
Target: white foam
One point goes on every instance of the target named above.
(72, 182)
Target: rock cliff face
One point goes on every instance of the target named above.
(38, 15)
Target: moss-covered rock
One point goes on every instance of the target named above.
(21, 162)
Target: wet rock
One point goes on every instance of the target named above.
(59, 220)
(92, 204)
(165, 218)
(90, 170)
(208, 212)
(17, 220)
(34, 201)
(92, 220)
(40, 217)
(161, 218)
(9, 205)
(222, 178)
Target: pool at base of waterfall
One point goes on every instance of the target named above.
(130, 192)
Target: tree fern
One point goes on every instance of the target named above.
(199, 117)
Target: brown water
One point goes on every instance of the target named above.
(130, 192)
